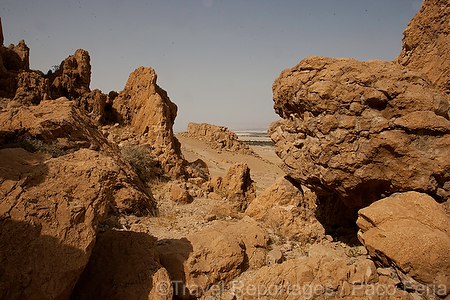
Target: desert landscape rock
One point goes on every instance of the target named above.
(123, 265)
(218, 137)
(236, 186)
(73, 77)
(148, 109)
(49, 220)
(361, 129)
(288, 210)
(218, 253)
(99, 199)
(412, 232)
(425, 46)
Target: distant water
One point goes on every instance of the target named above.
(255, 137)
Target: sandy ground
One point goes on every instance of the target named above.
(264, 170)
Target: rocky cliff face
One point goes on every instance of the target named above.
(425, 43)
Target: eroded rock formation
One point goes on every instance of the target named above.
(218, 137)
(124, 265)
(425, 43)
(73, 77)
(236, 186)
(148, 109)
(289, 210)
(361, 129)
(60, 179)
(213, 255)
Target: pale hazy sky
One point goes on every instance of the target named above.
(216, 59)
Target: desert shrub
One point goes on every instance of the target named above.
(142, 161)
(32, 144)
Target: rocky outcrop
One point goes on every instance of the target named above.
(32, 88)
(50, 211)
(73, 77)
(53, 200)
(213, 255)
(323, 274)
(148, 109)
(124, 265)
(235, 186)
(425, 43)
(218, 137)
(411, 232)
(94, 104)
(361, 129)
(57, 127)
(289, 211)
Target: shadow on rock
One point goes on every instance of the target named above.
(36, 266)
(123, 265)
(173, 254)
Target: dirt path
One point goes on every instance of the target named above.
(264, 170)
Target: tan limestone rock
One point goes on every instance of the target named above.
(73, 77)
(425, 43)
(236, 186)
(411, 232)
(288, 210)
(361, 129)
(215, 254)
(218, 137)
(147, 108)
(50, 211)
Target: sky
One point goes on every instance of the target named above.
(217, 60)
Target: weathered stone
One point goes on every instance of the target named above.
(123, 265)
(73, 77)
(360, 129)
(236, 186)
(179, 194)
(147, 108)
(58, 128)
(288, 211)
(94, 104)
(218, 253)
(425, 48)
(218, 137)
(411, 232)
(50, 210)
(32, 88)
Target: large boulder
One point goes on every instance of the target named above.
(57, 127)
(147, 108)
(124, 265)
(50, 212)
(212, 256)
(289, 210)
(361, 130)
(411, 232)
(218, 137)
(425, 43)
